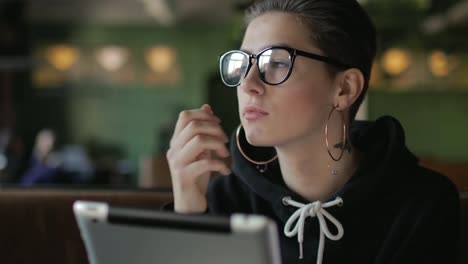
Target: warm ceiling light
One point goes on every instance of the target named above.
(112, 58)
(62, 57)
(161, 59)
(395, 61)
(438, 63)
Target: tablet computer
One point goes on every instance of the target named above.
(116, 235)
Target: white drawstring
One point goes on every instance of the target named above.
(315, 209)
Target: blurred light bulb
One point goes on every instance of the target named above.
(395, 61)
(438, 63)
(62, 57)
(161, 59)
(112, 58)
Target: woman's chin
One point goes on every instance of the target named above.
(258, 140)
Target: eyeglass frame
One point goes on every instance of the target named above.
(293, 53)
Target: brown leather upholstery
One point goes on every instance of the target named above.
(38, 226)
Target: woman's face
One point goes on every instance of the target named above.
(295, 111)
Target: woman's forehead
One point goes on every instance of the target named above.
(276, 29)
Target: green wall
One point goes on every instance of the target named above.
(132, 116)
(435, 122)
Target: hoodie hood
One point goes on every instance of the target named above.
(383, 156)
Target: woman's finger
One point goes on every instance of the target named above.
(197, 127)
(199, 144)
(185, 117)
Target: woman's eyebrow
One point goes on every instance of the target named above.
(279, 44)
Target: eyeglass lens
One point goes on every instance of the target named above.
(273, 66)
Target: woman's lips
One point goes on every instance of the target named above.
(252, 113)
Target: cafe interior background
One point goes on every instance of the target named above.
(94, 87)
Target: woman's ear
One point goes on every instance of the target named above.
(350, 85)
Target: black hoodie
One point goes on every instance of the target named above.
(393, 210)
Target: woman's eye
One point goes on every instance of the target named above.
(279, 64)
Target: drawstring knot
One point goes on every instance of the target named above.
(315, 209)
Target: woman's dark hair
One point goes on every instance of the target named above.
(340, 28)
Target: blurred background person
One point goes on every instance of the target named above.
(44, 164)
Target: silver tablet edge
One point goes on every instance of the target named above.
(97, 211)
(274, 243)
(248, 223)
(252, 223)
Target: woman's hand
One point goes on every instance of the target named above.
(196, 149)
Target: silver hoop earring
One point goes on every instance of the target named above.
(344, 143)
(262, 166)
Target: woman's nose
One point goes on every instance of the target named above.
(252, 83)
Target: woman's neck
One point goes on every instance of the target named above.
(309, 170)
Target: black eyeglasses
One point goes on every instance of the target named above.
(274, 64)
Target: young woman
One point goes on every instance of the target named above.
(340, 191)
